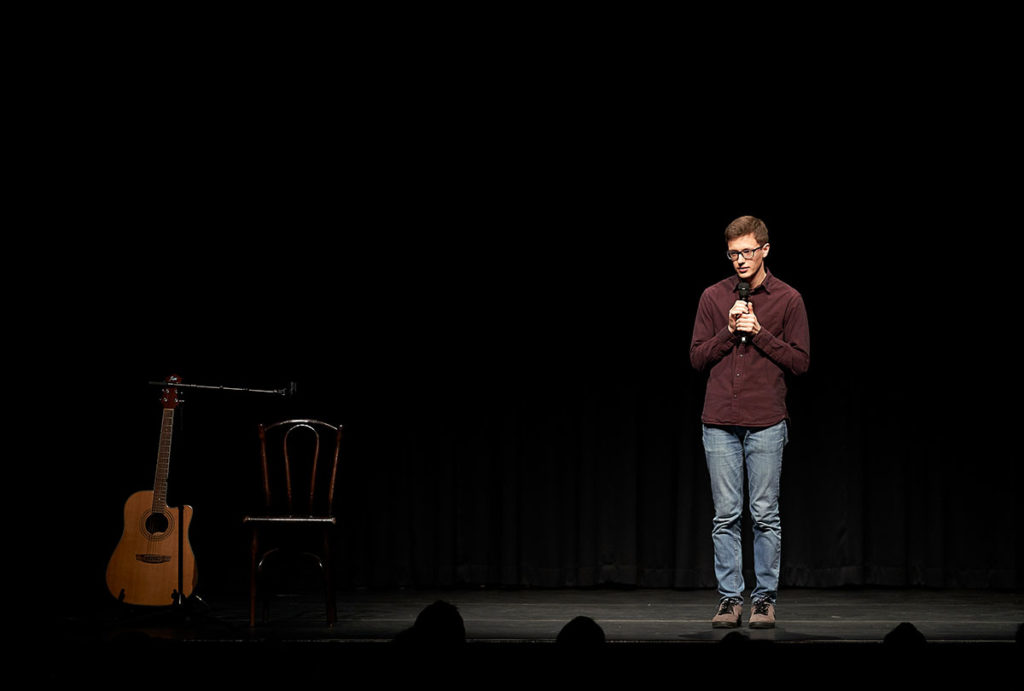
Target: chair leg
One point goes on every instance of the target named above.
(253, 568)
(332, 607)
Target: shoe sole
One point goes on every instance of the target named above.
(725, 624)
(761, 625)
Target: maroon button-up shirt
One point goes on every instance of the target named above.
(746, 383)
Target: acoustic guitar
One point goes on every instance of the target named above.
(153, 563)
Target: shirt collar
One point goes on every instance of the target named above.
(765, 284)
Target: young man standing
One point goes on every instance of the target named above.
(749, 334)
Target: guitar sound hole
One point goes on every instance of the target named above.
(156, 523)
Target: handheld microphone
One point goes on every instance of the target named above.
(744, 291)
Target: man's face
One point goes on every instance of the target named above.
(747, 267)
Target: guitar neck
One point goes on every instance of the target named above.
(163, 462)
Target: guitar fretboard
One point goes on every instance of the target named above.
(163, 462)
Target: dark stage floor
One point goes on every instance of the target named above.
(512, 628)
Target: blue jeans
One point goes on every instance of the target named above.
(727, 450)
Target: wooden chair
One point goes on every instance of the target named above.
(297, 518)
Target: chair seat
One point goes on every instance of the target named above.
(291, 519)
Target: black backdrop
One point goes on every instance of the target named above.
(520, 410)
(496, 301)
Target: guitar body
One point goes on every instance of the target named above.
(153, 563)
(144, 567)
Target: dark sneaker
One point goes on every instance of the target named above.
(763, 615)
(728, 614)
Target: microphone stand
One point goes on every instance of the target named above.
(180, 605)
(286, 391)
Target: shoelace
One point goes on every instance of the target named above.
(761, 607)
(725, 607)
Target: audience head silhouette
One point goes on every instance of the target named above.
(581, 630)
(439, 623)
(904, 634)
(735, 637)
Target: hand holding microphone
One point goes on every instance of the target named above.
(742, 315)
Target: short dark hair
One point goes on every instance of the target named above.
(746, 225)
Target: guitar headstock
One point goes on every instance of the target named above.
(169, 395)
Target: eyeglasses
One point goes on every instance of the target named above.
(747, 253)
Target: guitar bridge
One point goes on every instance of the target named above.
(153, 558)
